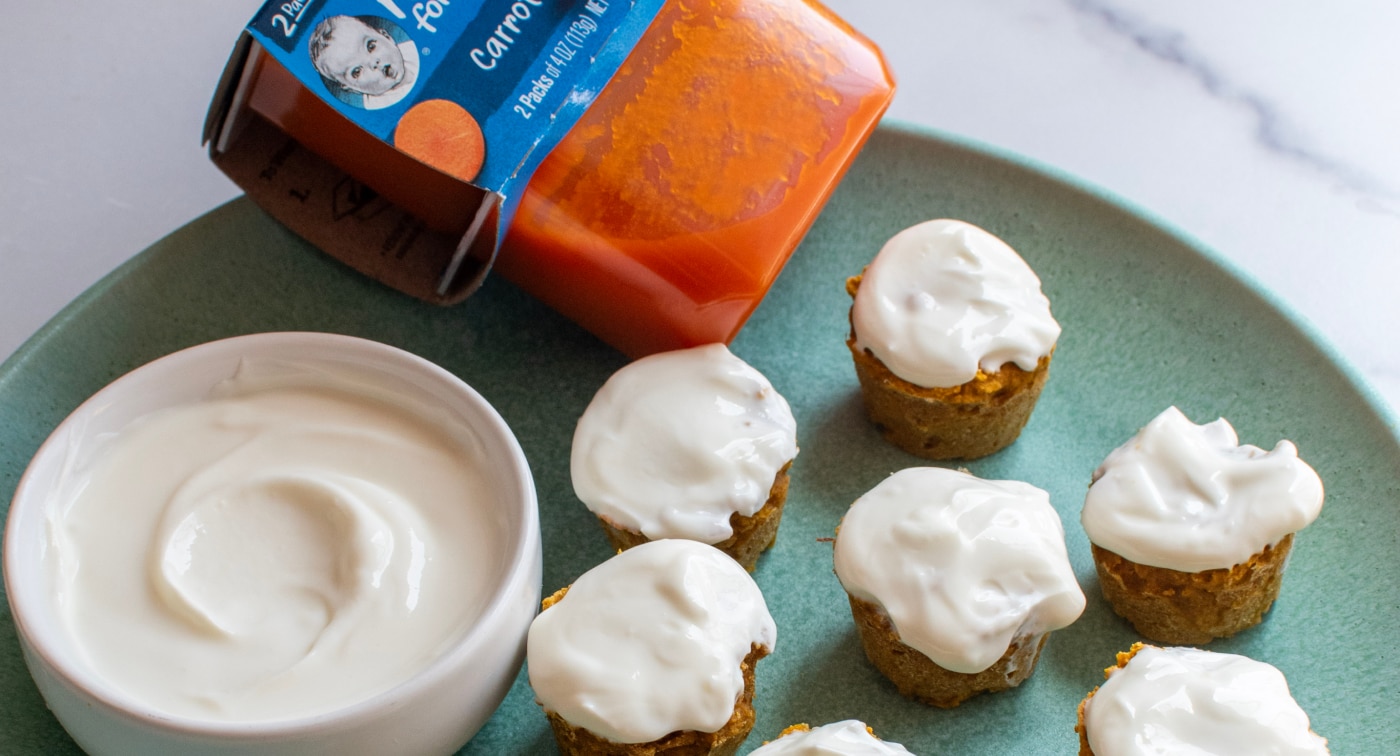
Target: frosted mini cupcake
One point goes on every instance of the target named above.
(651, 651)
(847, 738)
(1190, 530)
(952, 340)
(955, 582)
(691, 444)
(1184, 700)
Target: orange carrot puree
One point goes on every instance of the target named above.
(665, 214)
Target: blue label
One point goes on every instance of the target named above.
(525, 70)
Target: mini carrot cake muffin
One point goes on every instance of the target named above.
(652, 651)
(692, 444)
(1185, 700)
(951, 338)
(955, 582)
(1190, 530)
(847, 738)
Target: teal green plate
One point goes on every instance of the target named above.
(1150, 319)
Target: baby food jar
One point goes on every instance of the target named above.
(663, 216)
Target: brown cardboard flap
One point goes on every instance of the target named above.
(349, 220)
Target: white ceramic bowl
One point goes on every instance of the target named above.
(434, 711)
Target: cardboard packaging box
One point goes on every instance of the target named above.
(644, 167)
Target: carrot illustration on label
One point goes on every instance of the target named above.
(442, 134)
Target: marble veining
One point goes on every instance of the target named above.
(1273, 129)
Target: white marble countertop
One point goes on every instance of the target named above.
(1264, 128)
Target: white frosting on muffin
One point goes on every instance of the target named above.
(846, 738)
(650, 642)
(1185, 700)
(1190, 498)
(943, 298)
(676, 443)
(962, 566)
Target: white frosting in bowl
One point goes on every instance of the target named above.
(846, 738)
(363, 466)
(236, 559)
(963, 566)
(1185, 700)
(943, 298)
(650, 642)
(1190, 497)
(676, 443)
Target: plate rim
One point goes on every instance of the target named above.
(1055, 178)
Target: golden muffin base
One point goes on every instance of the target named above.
(578, 741)
(752, 536)
(968, 421)
(1192, 608)
(920, 678)
(1123, 658)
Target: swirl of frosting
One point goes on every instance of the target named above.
(298, 541)
(963, 566)
(676, 443)
(1185, 700)
(1190, 497)
(846, 738)
(650, 642)
(945, 298)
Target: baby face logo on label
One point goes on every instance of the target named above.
(364, 61)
